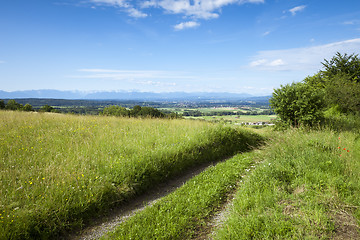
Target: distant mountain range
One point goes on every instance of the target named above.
(122, 95)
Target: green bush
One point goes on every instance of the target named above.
(298, 104)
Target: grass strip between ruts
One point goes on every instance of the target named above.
(181, 213)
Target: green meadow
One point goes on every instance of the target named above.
(306, 186)
(59, 171)
(302, 184)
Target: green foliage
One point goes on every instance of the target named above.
(316, 81)
(137, 111)
(28, 108)
(116, 111)
(46, 108)
(13, 105)
(298, 104)
(2, 104)
(344, 93)
(338, 84)
(342, 64)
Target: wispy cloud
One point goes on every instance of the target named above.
(198, 9)
(2, 61)
(267, 63)
(185, 25)
(266, 33)
(139, 77)
(302, 59)
(124, 5)
(297, 9)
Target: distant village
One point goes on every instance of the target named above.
(256, 123)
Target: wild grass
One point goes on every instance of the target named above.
(57, 171)
(306, 183)
(184, 212)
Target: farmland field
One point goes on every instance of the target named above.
(239, 119)
(57, 171)
(234, 115)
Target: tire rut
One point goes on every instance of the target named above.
(217, 220)
(108, 223)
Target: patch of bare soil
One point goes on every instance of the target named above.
(108, 223)
(346, 226)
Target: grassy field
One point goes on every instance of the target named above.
(306, 187)
(58, 171)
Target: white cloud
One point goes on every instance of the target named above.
(260, 62)
(302, 59)
(197, 9)
(267, 63)
(124, 5)
(185, 25)
(297, 9)
(200, 9)
(276, 63)
(266, 33)
(136, 13)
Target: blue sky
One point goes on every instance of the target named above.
(234, 46)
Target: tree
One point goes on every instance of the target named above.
(341, 81)
(46, 108)
(13, 105)
(2, 104)
(343, 94)
(342, 64)
(305, 102)
(298, 104)
(28, 108)
(116, 111)
(135, 111)
(150, 112)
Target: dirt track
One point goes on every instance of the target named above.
(108, 223)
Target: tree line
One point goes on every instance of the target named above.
(114, 110)
(334, 90)
(137, 111)
(15, 106)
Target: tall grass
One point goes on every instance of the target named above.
(57, 171)
(307, 179)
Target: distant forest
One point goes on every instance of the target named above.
(96, 107)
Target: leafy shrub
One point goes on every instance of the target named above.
(298, 103)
